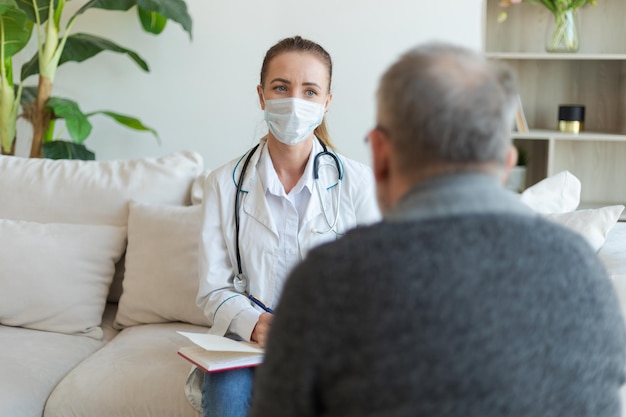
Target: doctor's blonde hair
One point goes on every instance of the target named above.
(299, 44)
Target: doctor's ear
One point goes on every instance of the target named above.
(259, 90)
(328, 100)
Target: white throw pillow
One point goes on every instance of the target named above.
(593, 224)
(559, 193)
(161, 280)
(557, 198)
(93, 192)
(55, 277)
(197, 188)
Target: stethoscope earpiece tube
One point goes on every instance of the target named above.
(316, 163)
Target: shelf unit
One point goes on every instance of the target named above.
(595, 77)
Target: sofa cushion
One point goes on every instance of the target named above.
(558, 193)
(93, 192)
(557, 198)
(593, 224)
(56, 277)
(138, 373)
(161, 279)
(32, 363)
(197, 188)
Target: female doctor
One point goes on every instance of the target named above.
(265, 210)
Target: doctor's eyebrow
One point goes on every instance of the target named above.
(284, 81)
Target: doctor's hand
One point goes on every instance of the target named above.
(261, 329)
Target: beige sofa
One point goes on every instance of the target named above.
(97, 273)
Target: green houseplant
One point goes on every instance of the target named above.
(56, 45)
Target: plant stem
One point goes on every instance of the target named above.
(40, 116)
(8, 104)
(564, 36)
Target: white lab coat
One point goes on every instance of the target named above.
(259, 237)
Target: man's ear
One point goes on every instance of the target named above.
(259, 91)
(511, 157)
(509, 162)
(381, 153)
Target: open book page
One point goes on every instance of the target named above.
(214, 353)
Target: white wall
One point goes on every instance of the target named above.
(201, 95)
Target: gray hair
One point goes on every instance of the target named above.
(446, 104)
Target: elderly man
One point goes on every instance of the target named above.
(461, 302)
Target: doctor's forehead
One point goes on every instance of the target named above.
(301, 67)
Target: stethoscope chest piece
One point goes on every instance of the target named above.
(240, 282)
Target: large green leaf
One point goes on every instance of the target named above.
(6, 5)
(34, 7)
(80, 47)
(175, 10)
(107, 5)
(152, 22)
(30, 68)
(60, 149)
(8, 71)
(128, 121)
(76, 122)
(15, 28)
(152, 13)
(29, 94)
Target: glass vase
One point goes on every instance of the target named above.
(562, 34)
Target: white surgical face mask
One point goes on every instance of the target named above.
(292, 120)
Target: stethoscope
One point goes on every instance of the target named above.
(240, 282)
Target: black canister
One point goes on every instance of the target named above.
(571, 118)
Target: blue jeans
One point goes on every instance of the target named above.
(227, 394)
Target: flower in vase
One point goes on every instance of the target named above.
(557, 7)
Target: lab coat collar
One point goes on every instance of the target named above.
(255, 204)
(270, 180)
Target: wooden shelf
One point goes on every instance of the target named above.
(601, 29)
(595, 77)
(555, 56)
(540, 134)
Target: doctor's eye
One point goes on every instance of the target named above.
(280, 89)
(310, 93)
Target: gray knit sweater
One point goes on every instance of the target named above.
(447, 309)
